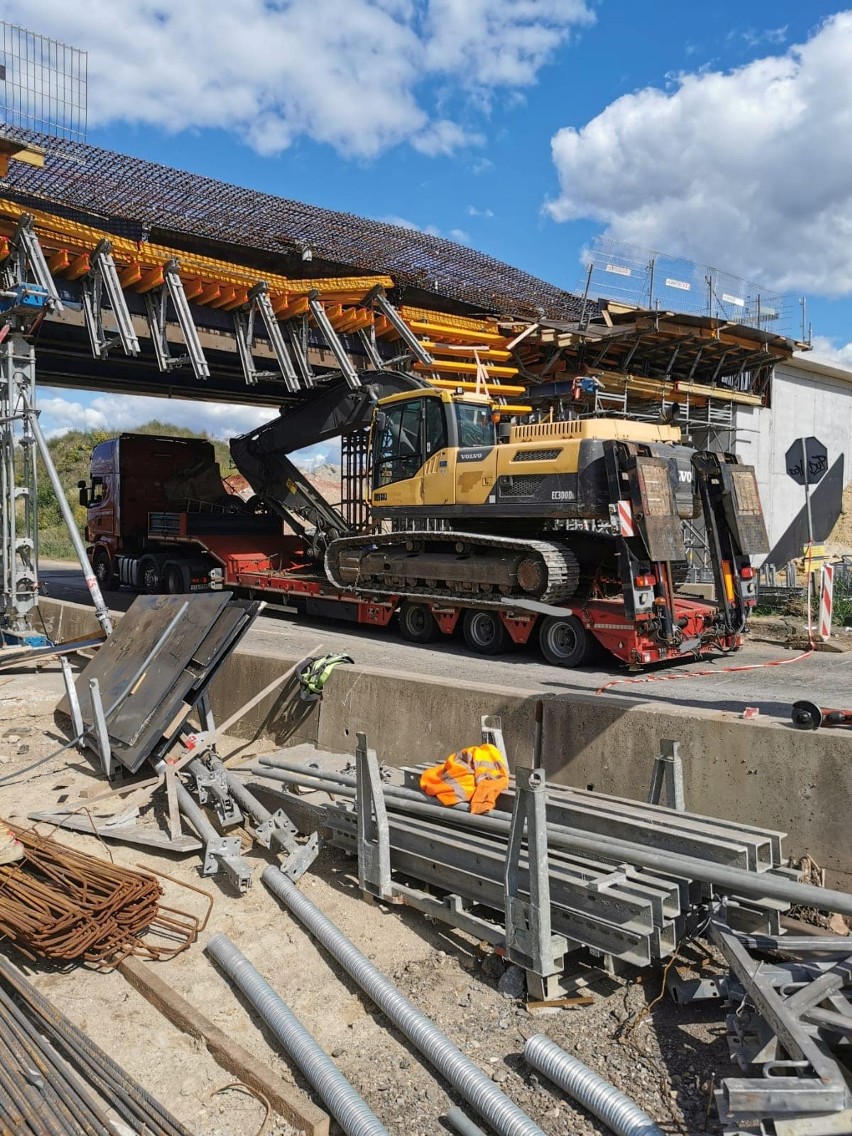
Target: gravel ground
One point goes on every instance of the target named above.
(663, 1060)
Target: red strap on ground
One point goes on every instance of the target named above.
(704, 674)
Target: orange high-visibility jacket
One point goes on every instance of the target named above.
(477, 774)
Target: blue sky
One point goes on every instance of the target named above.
(522, 127)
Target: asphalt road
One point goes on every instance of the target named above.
(822, 678)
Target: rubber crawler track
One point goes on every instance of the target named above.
(563, 571)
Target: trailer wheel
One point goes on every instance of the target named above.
(107, 579)
(173, 580)
(416, 623)
(484, 632)
(564, 641)
(149, 577)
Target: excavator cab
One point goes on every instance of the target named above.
(417, 441)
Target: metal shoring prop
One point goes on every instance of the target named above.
(101, 609)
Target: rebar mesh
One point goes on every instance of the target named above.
(114, 189)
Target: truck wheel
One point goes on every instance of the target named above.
(173, 580)
(107, 579)
(564, 641)
(416, 623)
(484, 632)
(149, 577)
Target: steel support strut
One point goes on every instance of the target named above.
(101, 609)
(103, 279)
(333, 340)
(530, 941)
(156, 306)
(220, 852)
(244, 324)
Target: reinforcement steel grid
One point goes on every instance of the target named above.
(136, 197)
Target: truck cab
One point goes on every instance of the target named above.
(130, 478)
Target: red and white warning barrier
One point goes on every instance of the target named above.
(826, 601)
(625, 519)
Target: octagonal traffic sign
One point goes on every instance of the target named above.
(810, 466)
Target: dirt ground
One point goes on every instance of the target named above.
(665, 1063)
(839, 541)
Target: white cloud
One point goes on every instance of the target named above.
(349, 73)
(499, 43)
(474, 212)
(749, 170)
(773, 36)
(119, 412)
(826, 350)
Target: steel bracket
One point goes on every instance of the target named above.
(530, 941)
(785, 1035)
(244, 324)
(26, 261)
(224, 854)
(101, 734)
(668, 774)
(378, 298)
(278, 829)
(298, 862)
(333, 340)
(221, 853)
(491, 729)
(374, 875)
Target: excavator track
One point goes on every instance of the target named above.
(488, 569)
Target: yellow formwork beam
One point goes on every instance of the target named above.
(59, 233)
(465, 349)
(459, 367)
(723, 394)
(443, 331)
(493, 389)
(465, 325)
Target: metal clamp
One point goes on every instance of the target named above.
(211, 783)
(221, 853)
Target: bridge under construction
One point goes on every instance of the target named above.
(125, 275)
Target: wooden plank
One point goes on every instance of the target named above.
(562, 1003)
(285, 1099)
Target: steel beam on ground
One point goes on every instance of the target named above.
(735, 881)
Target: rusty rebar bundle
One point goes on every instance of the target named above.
(58, 903)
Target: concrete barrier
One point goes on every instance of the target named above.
(757, 771)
